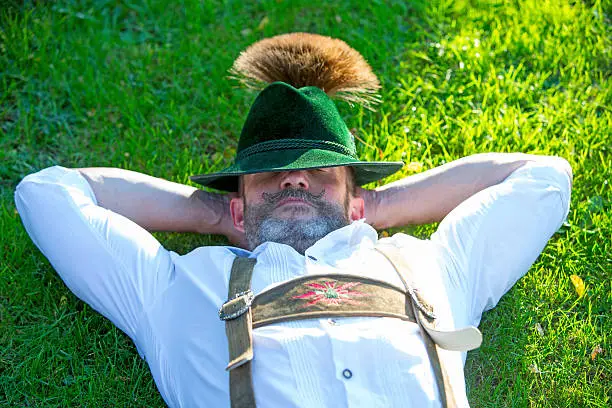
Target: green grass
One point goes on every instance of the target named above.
(143, 86)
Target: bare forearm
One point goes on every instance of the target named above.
(431, 195)
(157, 204)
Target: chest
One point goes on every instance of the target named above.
(303, 363)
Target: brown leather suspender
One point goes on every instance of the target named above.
(239, 329)
(444, 386)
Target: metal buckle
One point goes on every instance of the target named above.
(424, 307)
(236, 306)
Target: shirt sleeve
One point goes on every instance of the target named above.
(493, 237)
(107, 260)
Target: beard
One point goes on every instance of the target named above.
(295, 230)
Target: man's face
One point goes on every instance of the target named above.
(296, 208)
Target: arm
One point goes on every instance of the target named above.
(431, 195)
(485, 244)
(491, 239)
(104, 258)
(161, 205)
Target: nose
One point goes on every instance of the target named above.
(294, 179)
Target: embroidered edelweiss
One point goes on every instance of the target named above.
(331, 293)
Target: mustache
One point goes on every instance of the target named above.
(273, 198)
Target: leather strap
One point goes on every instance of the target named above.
(442, 379)
(337, 295)
(239, 329)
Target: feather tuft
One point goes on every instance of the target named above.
(302, 59)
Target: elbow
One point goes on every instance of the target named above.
(564, 169)
(29, 196)
(25, 196)
(39, 190)
(558, 169)
(31, 185)
(22, 192)
(559, 177)
(563, 174)
(549, 174)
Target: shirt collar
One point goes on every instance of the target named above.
(343, 240)
(333, 244)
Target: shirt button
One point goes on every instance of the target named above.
(347, 373)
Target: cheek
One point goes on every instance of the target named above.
(252, 198)
(255, 188)
(335, 193)
(252, 193)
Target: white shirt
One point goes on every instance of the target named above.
(167, 303)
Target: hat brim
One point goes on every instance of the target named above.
(295, 159)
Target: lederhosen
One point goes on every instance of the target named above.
(333, 295)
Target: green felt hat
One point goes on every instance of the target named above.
(294, 129)
(293, 124)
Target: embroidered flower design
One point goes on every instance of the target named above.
(331, 293)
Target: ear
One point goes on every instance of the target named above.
(356, 209)
(237, 213)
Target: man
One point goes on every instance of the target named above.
(295, 205)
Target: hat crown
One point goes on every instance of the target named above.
(283, 117)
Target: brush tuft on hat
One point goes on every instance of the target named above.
(302, 59)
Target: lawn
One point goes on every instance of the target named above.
(143, 86)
